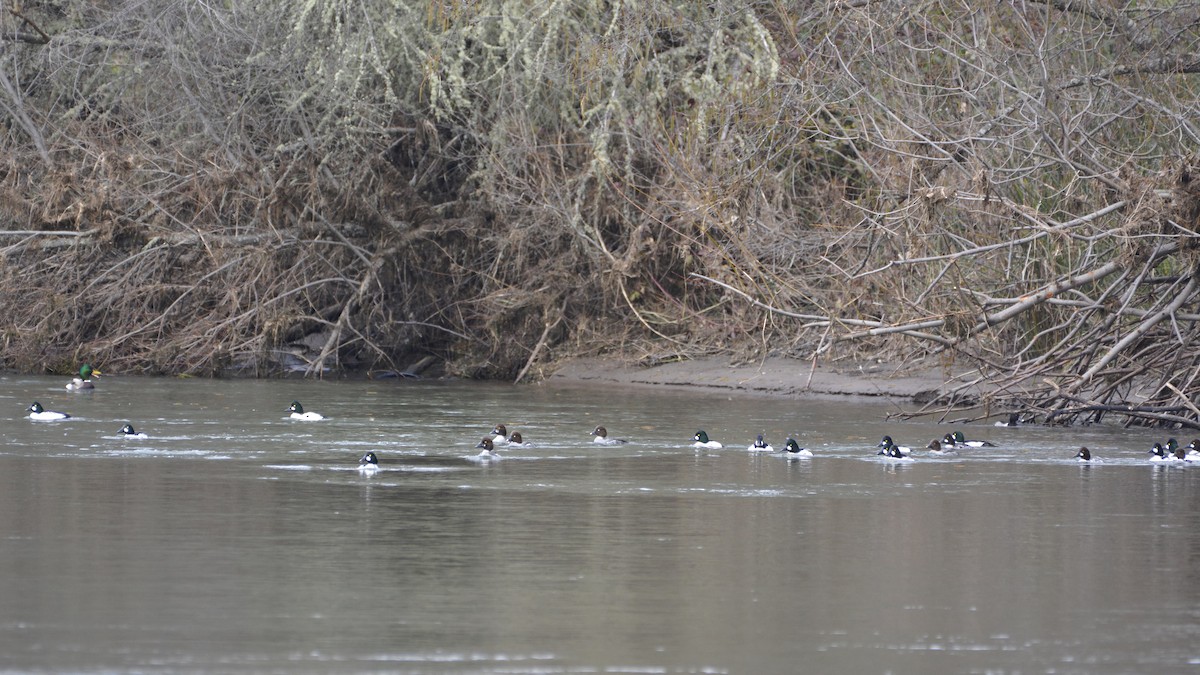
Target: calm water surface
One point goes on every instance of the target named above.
(235, 540)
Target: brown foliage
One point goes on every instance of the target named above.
(1010, 185)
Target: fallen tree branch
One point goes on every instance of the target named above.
(1136, 334)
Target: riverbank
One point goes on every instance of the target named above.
(774, 376)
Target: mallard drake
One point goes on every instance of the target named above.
(84, 381)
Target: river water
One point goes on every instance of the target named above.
(235, 540)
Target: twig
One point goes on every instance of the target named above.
(15, 10)
(540, 343)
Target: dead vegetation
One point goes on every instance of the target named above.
(501, 185)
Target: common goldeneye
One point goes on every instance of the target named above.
(489, 449)
(938, 448)
(515, 440)
(1193, 451)
(298, 413)
(601, 436)
(128, 431)
(701, 441)
(499, 435)
(1084, 455)
(887, 444)
(1014, 420)
(893, 453)
(84, 381)
(1159, 454)
(759, 445)
(368, 463)
(956, 439)
(37, 412)
(792, 449)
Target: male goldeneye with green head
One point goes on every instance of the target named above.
(792, 449)
(84, 381)
(701, 441)
(1193, 451)
(368, 463)
(128, 431)
(957, 440)
(600, 435)
(893, 453)
(759, 445)
(1159, 454)
(887, 445)
(297, 413)
(37, 412)
(1084, 455)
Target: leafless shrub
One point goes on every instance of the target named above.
(1009, 185)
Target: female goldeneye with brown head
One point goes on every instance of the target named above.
(938, 448)
(499, 434)
(488, 450)
(600, 435)
(515, 440)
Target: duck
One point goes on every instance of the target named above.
(1193, 451)
(128, 431)
(600, 435)
(368, 463)
(894, 453)
(759, 445)
(792, 449)
(517, 441)
(1014, 420)
(1084, 455)
(488, 448)
(499, 435)
(84, 381)
(937, 448)
(957, 440)
(37, 412)
(887, 444)
(298, 413)
(701, 441)
(1159, 454)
